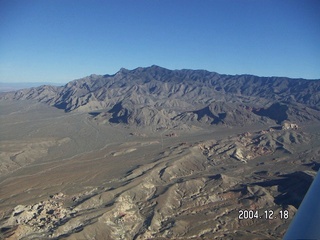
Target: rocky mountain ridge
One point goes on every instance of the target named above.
(153, 95)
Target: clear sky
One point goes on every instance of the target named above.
(61, 40)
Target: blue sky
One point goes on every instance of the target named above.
(62, 40)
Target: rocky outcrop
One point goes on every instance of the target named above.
(288, 125)
(42, 217)
(248, 146)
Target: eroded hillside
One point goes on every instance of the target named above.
(187, 190)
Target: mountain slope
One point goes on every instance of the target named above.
(192, 95)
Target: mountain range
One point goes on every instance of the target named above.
(155, 96)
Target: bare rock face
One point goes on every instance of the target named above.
(288, 125)
(42, 217)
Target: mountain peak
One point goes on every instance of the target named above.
(156, 67)
(123, 70)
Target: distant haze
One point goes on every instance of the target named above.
(7, 87)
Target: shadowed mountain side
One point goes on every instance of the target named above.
(230, 114)
(292, 187)
(294, 112)
(276, 111)
(216, 113)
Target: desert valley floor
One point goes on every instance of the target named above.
(67, 176)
